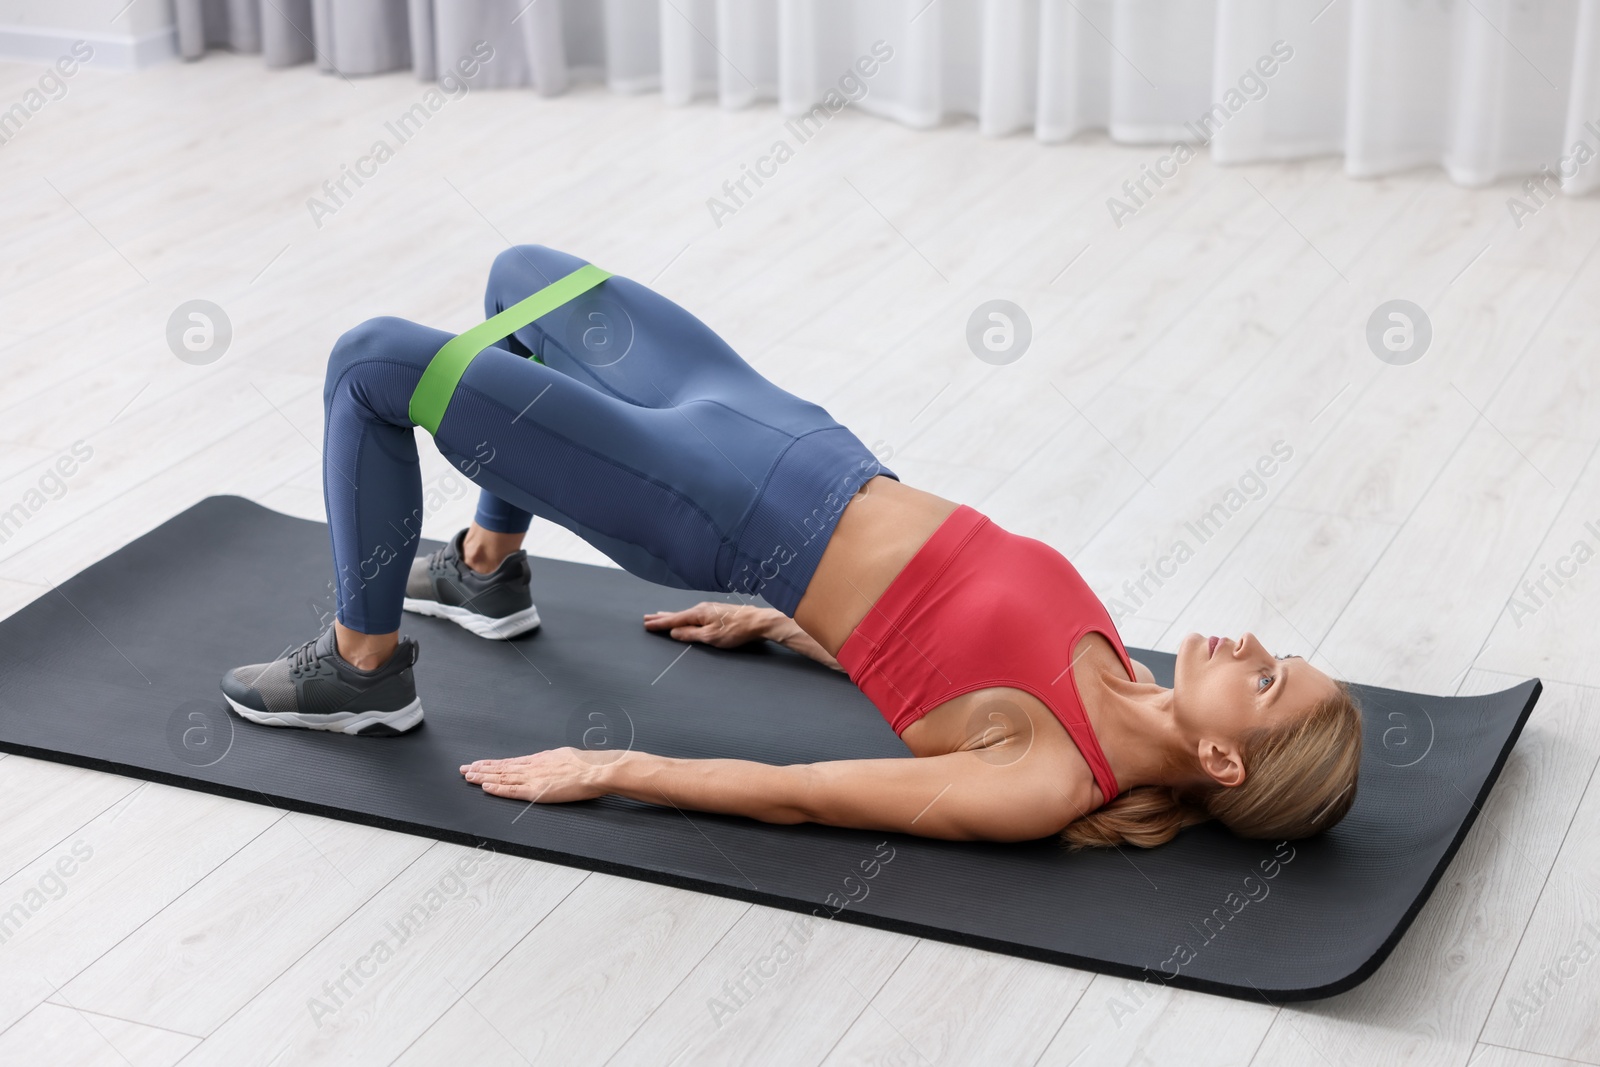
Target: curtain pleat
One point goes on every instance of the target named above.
(1300, 109)
(687, 55)
(1160, 68)
(204, 24)
(1008, 67)
(288, 32)
(355, 37)
(1582, 125)
(1481, 88)
(631, 47)
(1074, 89)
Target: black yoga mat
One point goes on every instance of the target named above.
(117, 669)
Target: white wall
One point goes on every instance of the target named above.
(124, 35)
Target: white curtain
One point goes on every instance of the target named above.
(1482, 88)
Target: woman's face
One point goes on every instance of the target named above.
(1224, 688)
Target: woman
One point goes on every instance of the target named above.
(625, 419)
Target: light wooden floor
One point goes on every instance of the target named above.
(1169, 355)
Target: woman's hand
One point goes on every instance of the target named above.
(729, 625)
(715, 624)
(555, 776)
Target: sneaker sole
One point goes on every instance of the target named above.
(359, 723)
(508, 626)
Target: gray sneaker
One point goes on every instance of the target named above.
(497, 605)
(316, 688)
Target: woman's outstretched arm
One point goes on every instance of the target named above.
(962, 796)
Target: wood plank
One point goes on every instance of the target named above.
(779, 986)
(1123, 1022)
(1291, 577)
(107, 878)
(583, 980)
(1479, 524)
(67, 1037)
(1550, 605)
(951, 1004)
(1546, 1002)
(1486, 1055)
(252, 455)
(46, 802)
(369, 988)
(209, 952)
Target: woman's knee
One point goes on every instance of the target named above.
(521, 271)
(388, 343)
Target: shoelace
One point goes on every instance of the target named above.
(305, 656)
(436, 560)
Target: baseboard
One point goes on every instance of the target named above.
(42, 44)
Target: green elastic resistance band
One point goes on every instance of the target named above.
(438, 384)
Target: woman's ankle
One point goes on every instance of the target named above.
(364, 652)
(484, 550)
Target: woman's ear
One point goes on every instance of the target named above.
(1221, 762)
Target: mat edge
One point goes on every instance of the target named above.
(1273, 997)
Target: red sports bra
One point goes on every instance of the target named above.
(979, 607)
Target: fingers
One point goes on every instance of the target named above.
(709, 622)
(666, 620)
(503, 781)
(492, 764)
(705, 613)
(514, 767)
(496, 779)
(516, 790)
(696, 614)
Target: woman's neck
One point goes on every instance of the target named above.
(1134, 724)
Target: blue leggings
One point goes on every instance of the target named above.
(641, 431)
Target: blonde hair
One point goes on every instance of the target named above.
(1300, 779)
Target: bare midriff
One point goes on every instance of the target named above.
(878, 532)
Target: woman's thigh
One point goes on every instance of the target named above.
(635, 344)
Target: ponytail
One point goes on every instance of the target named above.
(1147, 816)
